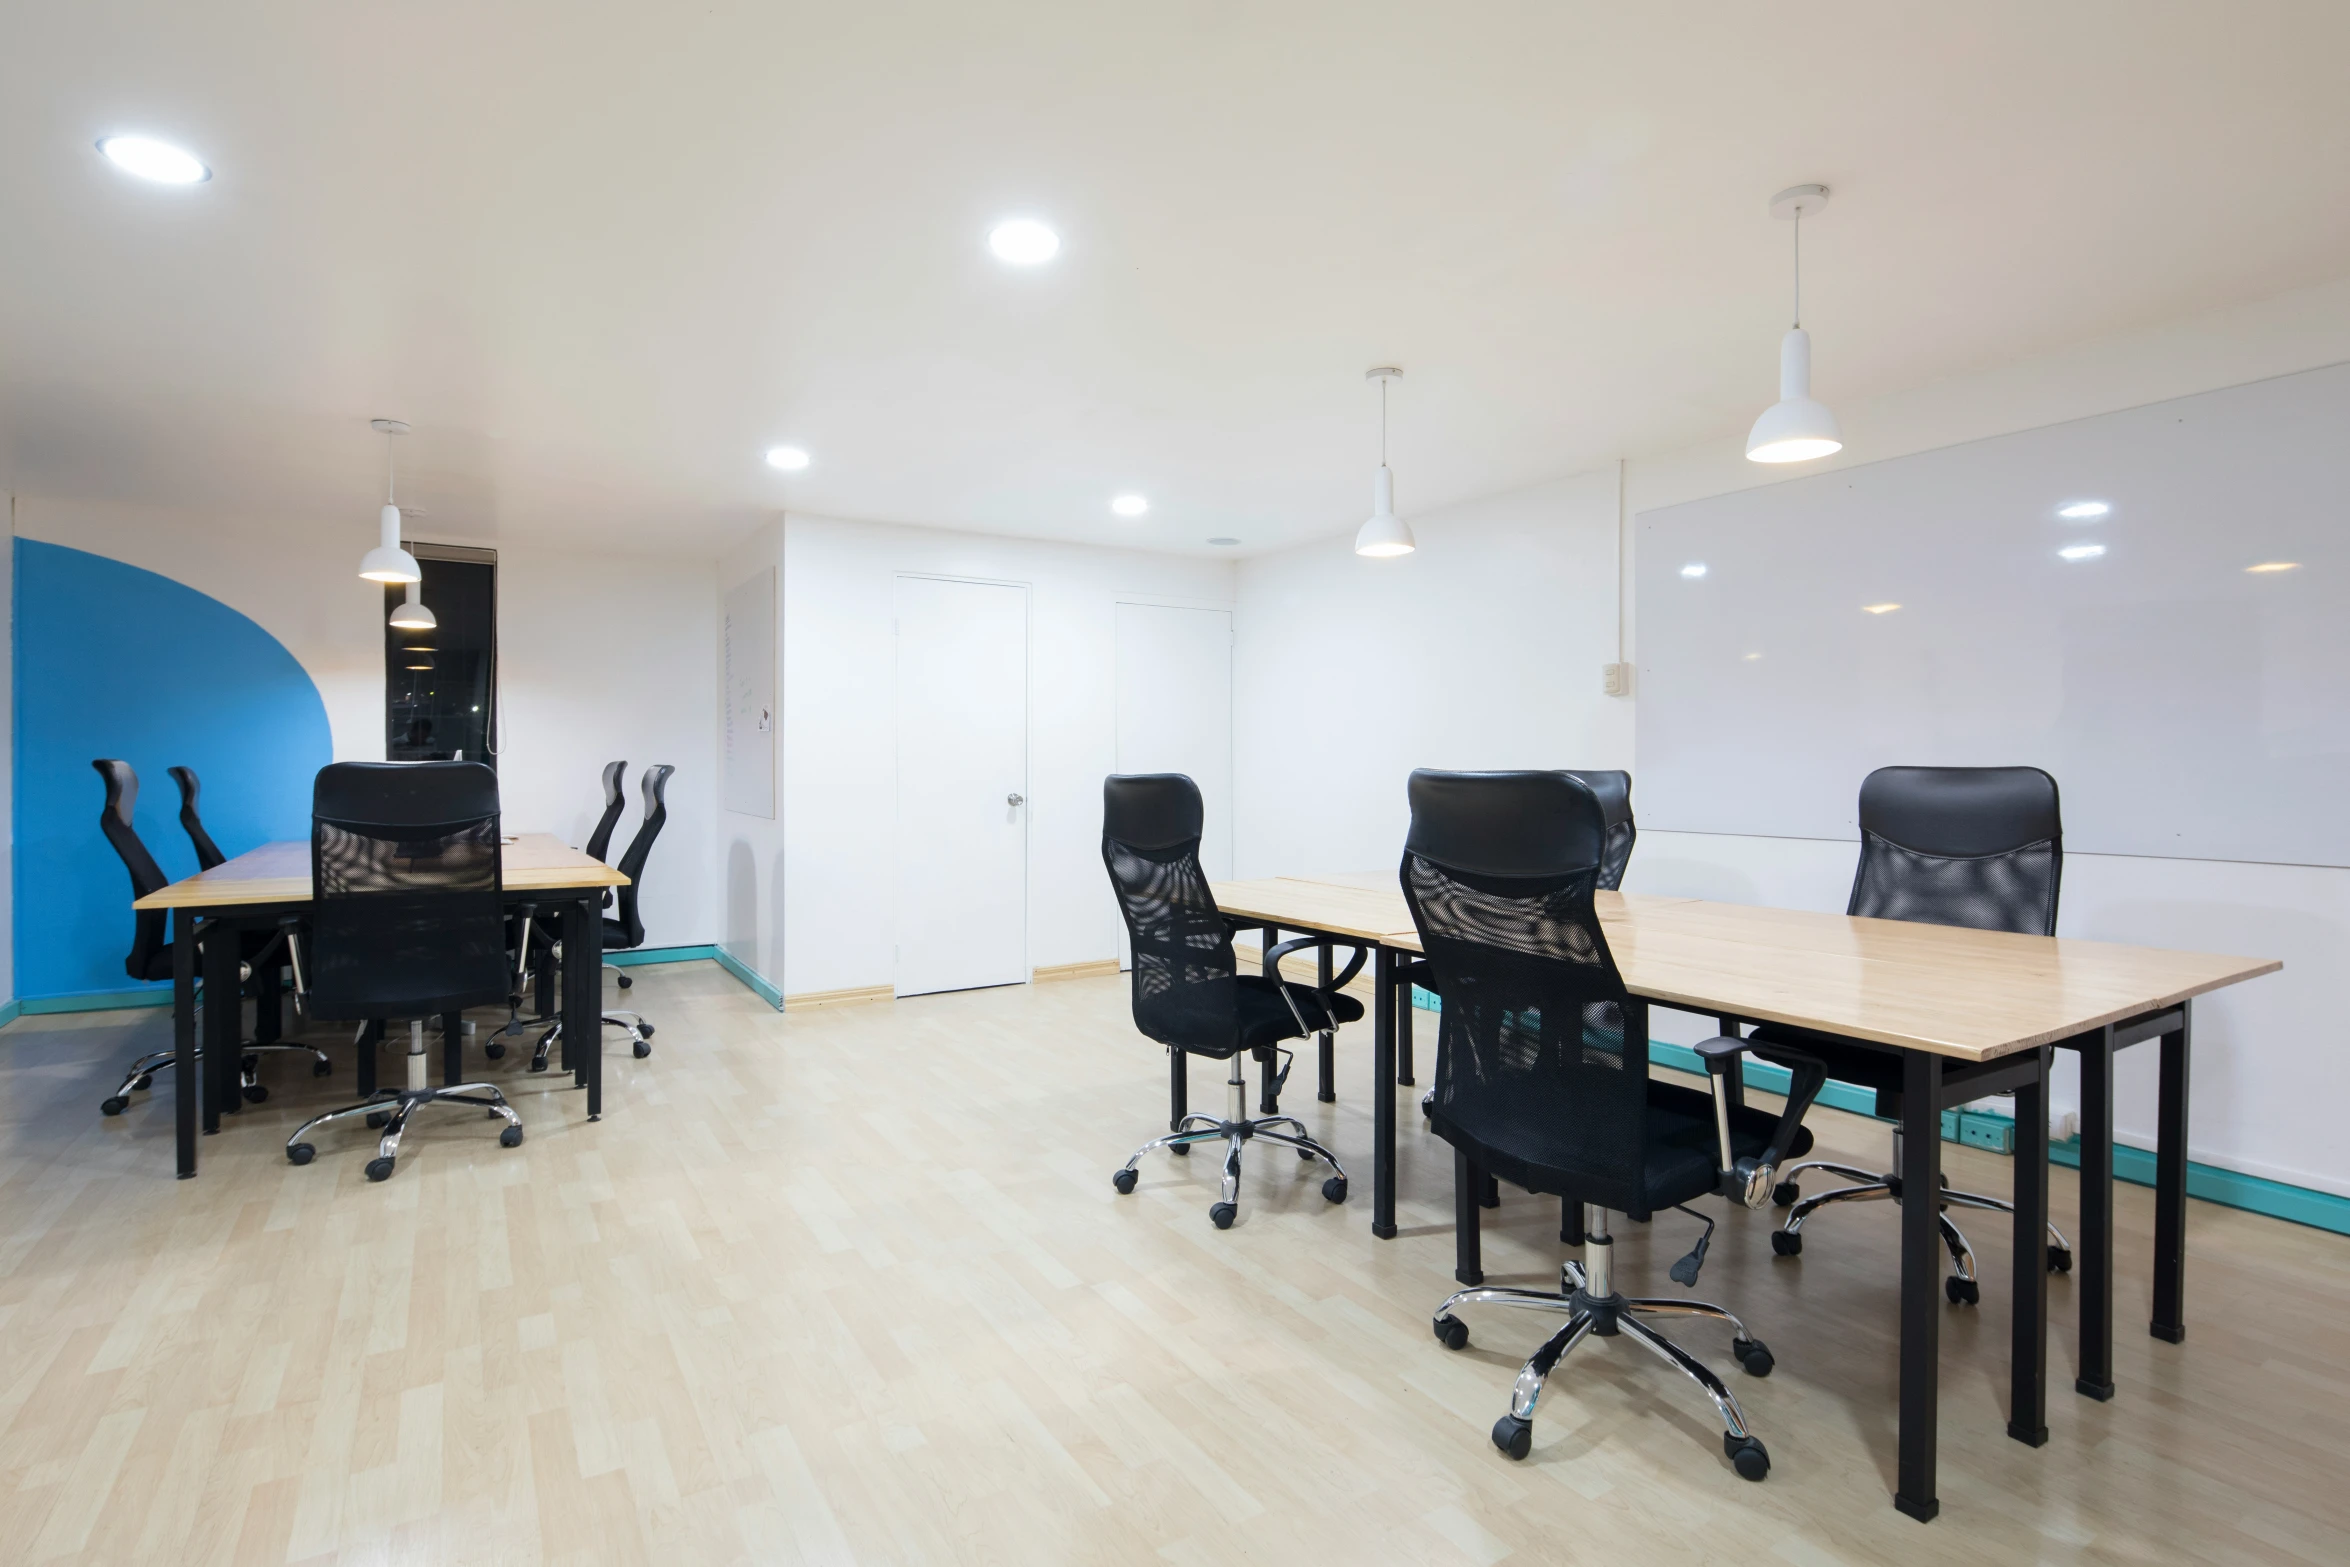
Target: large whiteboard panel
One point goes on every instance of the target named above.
(2187, 707)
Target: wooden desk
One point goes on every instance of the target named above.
(1969, 1012)
(264, 885)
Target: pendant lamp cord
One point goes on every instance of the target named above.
(391, 476)
(1799, 265)
(1383, 421)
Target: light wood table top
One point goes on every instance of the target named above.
(1970, 994)
(280, 873)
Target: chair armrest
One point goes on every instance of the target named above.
(1354, 966)
(1750, 1180)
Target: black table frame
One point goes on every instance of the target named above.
(207, 938)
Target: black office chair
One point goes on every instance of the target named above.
(1974, 846)
(150, 954)
(407, 921)
(629, 929)
(1188, 992)
(207, 852)
(599, 844)
(1542, 1076)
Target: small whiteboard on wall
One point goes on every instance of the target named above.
(2153, 605)
(747, 650)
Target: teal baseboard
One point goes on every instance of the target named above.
(94, 1001)
(10, 1012)
(633, 956)
(743, 971)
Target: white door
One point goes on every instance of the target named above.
(1175, 714)
(962, 721)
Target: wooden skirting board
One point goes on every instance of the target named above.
(813, 999)
(1091, 968)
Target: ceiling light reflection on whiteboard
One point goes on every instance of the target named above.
(2081, 551)
(1880, 609)
(1695, 568)
(2084, 511)
(2274, 565)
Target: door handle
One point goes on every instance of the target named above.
(1015, 800)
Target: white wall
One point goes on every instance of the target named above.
(1482, 649)
(839, 777)
(749, 866)
(2266, 1074)
(601, 656)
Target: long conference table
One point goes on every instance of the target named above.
(1969, 1013)
(262, 887)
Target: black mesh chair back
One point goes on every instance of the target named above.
(1979, 846)
(1184, 968)
(599, 844)
(406, 916)
(207, 852)
(1538, 1080)
(150, 955)
(1614, 791)
(629, 929)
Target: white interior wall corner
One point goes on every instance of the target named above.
(749, 850)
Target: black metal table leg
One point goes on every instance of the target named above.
(371, 1037)
(2170, 1186)
(1403, 1029)
(1921, 1282)
(583, 997)
(223, 1021)
(187, 1091)
(1178, 1093)
(1467, 1181)
(452, 1049)
(2027, 1408)
(1326, 1091)
(269, 1003)
(1383, 1093)
(1570, 1221)
(2093, 1263)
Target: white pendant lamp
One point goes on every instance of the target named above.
(412, 615)
(1795, 428)
(1384, 535)
(387, 562)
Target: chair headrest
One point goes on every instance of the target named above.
(1151, 810)
(1506, 824)
(1960, 811)
(404, 794)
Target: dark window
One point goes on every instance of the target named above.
(440, 686)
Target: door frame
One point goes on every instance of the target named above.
(1027, 758)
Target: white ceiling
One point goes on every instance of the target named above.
(601, 255)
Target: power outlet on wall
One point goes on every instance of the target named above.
(1615, 679)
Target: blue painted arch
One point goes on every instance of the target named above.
(113, 660)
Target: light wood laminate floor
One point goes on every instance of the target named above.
(852, 1286)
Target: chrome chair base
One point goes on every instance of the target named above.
(1236, 1130)
(391, 1108)
(640, 1037)
(1962, 1287)
(142, 1072)
(1588, 1299)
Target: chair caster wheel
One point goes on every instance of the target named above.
(255, 1093)
(1334, 1189)
(1754, 1355)
(1124, 1181)
(1962, 1292)
(380, 1169)
(1787, 1244)
(300, 1153)
(377, 1120)
(1751, 1458)
(645, 1029)
(1305, 1156)
(511, 1137)
(322, 1069)
(1452, 1332)
(1513, 1436)
(626, 983)
(114, 1106)
(1784, 1194)
(2060, 1259)
(1222, 1214)
(537, 1064)
(641, 1050)
(146, 1081)
(494, 1050)
(1181, 1150)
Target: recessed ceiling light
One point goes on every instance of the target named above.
(1751, 657)
(1130, 505)
(789, 458)
(1023, 242)
(2083, 511)
(1223, 541)
(2081, 551)
(1880, 609)
(154, 160)
(2275, 565)
(1695, 568)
